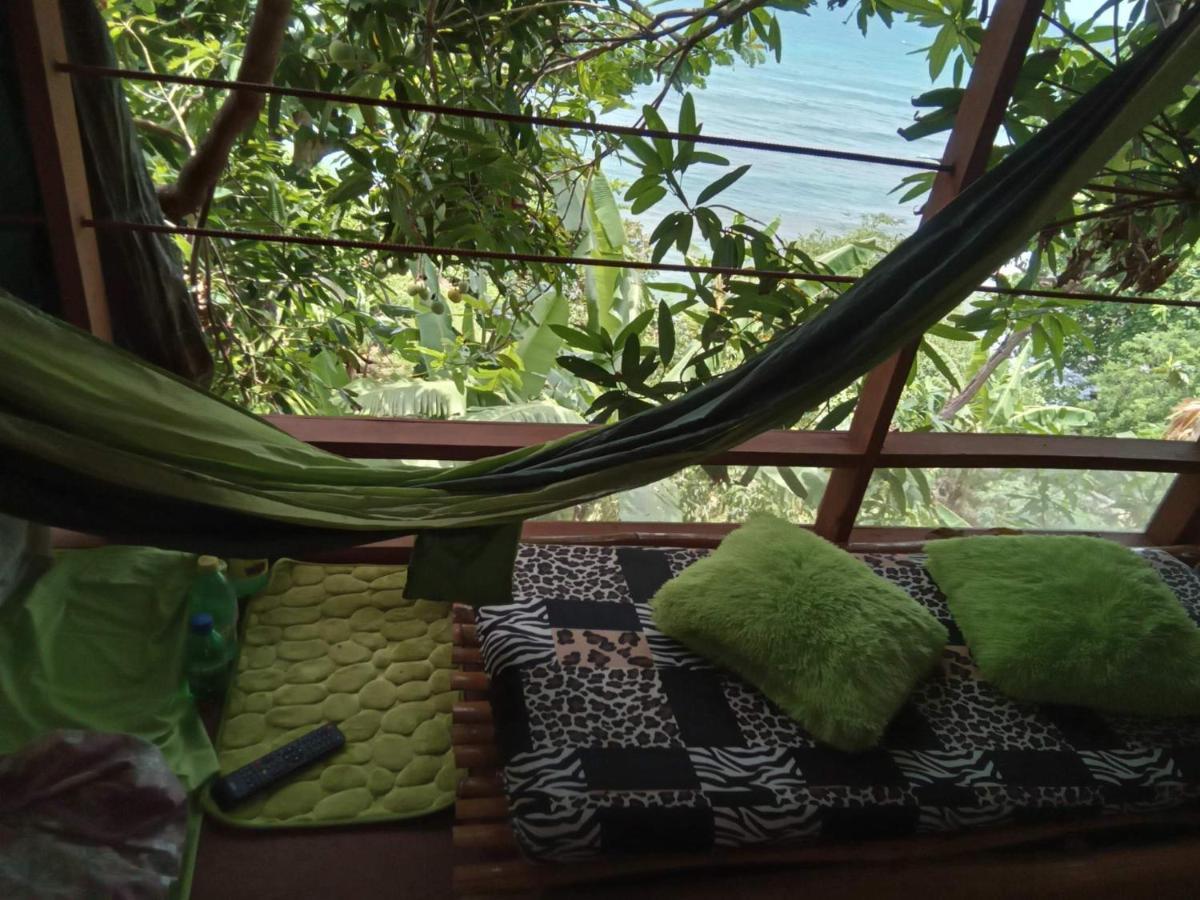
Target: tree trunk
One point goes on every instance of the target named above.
(237, 115)
(999, 355)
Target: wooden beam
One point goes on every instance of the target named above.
(696, 535)
(481, 809)
(1177, 519)
(369, 438)
(458, 440)
(968, 149)
(1030, 451)
(1036, 863)
(38, 43)
(495, 838)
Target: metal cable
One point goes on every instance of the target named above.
(640, 265)
(79, 69)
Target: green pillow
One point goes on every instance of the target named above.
(1072, 620)
(834, 645)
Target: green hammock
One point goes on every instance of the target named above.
(96, 439)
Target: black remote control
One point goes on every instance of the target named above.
(238, 786)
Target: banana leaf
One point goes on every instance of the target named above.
(96, 439)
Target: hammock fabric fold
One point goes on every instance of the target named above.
(94, 438)
(151, 310)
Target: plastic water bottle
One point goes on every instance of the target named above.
(207, 659)
(212, 593)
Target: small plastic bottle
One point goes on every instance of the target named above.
(207, 659)
(212, 593)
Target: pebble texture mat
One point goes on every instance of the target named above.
(341, 644)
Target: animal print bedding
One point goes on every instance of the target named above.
(615, 738)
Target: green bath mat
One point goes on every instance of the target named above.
(341, 644)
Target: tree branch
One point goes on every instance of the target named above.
(979, 379)
(161, 131)
(237, 115)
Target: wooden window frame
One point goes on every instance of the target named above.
(853, 455)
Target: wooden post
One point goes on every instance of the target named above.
(968, 149)
(1177, 519)
(38, 43)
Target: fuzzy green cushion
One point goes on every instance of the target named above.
(1072, 620)
(834, 645)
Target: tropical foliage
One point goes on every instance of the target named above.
(320, 330)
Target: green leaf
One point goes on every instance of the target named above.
(921, 183)
(894, 479)
(721, 183)
(604, 207)
(543, 411)
(647, 200)
(922, 486)
(411, 398)
(666, 333)
(687, 116)
(354, 184)
(581, 340)
(539, 342)
(939, 50)
(837, 415)
(794, 484)
(587, 370)
(661, 248)
(643, 184)
(636, 326)
(948, 98)
(703, 156)
(683, 234)
(644, 152)
(663, 145)
(630, 357)
(950, 333)
(1187, 119)
(940, 364)
(932, 123)
(665, 227)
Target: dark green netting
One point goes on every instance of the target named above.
(97, 439)
(152, 314)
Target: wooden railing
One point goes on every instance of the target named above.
(462, 440)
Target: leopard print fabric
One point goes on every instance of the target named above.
(966, 712)
(566, 572)
(585, 707)
(600, 649)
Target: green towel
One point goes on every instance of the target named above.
(97, 642)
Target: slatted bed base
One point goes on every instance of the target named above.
(1045, 859)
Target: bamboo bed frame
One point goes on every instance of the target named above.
(1045, 859)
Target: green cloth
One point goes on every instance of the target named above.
(465, 565)
(835, 646)
(98, 643)
(343, 644)
(1073, 620)
(97, 440)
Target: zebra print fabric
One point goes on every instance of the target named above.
(615, 738)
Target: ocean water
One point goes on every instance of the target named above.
(834, 88)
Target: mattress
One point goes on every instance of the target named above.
(614, 738)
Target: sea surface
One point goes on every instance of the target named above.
(834, 88)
